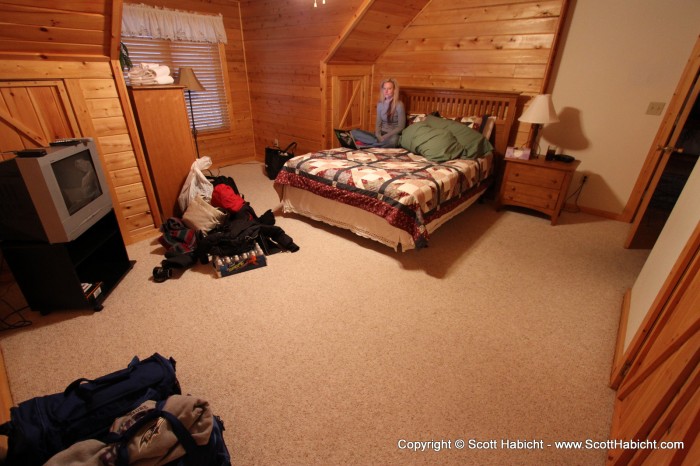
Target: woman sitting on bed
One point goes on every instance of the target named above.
(391, 118)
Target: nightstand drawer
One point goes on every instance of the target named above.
(530, 196)
(536, 176)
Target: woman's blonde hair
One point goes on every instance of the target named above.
(392, 107)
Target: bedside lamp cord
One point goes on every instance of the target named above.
(576, 193)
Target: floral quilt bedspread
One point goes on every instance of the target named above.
(406, 189)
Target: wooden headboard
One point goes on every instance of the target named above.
(464, 103)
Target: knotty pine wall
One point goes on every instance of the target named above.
(236, 145)
(276, 53)
(477, 44)
(285, 41)
(473, 44)
(71, 43)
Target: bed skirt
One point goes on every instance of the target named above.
(360, 222)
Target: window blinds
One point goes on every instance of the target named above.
(210, 106)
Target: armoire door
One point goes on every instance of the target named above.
(161, 114)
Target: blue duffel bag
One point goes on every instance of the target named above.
(41, 427)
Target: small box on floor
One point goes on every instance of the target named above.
(225, 266)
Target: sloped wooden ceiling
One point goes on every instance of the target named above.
(44, 30)
(373, 30)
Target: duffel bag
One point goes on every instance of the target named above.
(40, 427)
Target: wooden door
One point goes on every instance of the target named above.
(658, 400)
(349, 97)
(34, 113)
(648, 214)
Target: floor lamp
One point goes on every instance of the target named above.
(189, 80)
(539, 112)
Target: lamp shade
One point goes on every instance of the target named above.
(189, 80)
(540, 111)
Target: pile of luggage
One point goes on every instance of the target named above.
(136, 415)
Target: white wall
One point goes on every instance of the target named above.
(616, 57)
(680, 225)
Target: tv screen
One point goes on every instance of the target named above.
(54, 195)
(77, 179)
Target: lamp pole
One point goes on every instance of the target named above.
(194, 126)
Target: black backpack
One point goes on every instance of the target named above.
(41, 427)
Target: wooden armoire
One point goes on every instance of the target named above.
(161, 115)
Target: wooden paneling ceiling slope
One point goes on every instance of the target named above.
(47, 30)
(470, 44)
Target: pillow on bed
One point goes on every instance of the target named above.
(441, 139)
(418, 117)
(477, 123)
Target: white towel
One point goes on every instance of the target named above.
(161, 71)
(164, 79)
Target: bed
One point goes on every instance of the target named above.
(395, 196)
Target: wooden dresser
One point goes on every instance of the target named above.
(166, 137)
(537, 184)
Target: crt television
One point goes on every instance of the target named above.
(52, 194)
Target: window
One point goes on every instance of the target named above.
(210, 107)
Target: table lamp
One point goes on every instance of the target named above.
(538, 113)
(188, 79)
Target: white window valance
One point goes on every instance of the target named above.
(139, 20)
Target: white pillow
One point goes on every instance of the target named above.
(202, 216)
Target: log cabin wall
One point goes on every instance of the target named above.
(68, 48)
(470, 44)
(72, 43)
(237, 144)
(285, 41)
(477, 44)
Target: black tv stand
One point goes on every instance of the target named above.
(70, 276)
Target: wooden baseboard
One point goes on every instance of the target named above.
(617, 371)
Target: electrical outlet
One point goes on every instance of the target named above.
(655, 108)
(277, 143)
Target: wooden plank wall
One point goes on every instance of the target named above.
(93, 106)
(285, 41)
(236, 145)
(477, 44)
(471, 44)
(70, 42)
(50, 30)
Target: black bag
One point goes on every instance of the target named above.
(276, 157)
(41, 427)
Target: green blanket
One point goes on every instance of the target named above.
(439, 139)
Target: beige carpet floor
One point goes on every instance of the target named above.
(347, 352)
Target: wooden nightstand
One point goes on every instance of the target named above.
(537, 184)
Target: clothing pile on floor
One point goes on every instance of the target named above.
(145, 74)
(224, 226)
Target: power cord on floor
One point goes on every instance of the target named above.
(576, 193)
(14, 319)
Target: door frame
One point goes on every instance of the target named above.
(666, 137)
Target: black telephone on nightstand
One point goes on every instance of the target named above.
(560, 158)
